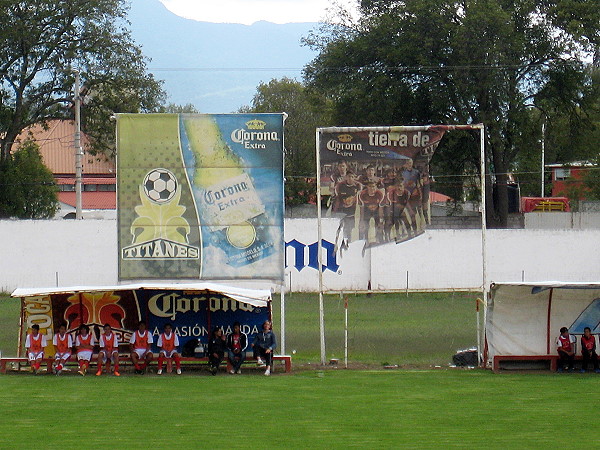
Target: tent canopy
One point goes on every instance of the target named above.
(525, 318)
(254, 297)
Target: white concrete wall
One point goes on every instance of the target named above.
(50, 253)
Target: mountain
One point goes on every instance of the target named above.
(216, 66)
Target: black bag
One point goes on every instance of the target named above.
(465, 358)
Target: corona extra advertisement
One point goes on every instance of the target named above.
(191, 313)
(376, 180)
(200, 196)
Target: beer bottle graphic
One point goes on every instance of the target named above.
(229, 204)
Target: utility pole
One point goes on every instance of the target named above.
(78, 149)
(543, 154)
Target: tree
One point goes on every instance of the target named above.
(174, 108)
(306, 112)
(469, 61)
(42, 42)
(28, 190)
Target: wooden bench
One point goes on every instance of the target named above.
(552, 359)
(125, 360)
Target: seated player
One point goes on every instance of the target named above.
(216, 349)
(263, 345)
(34, 345)
(140, 346)
(109, 351)
(84, 342)
(63, 343)
(565, 345)
(237, 342)
(168, 342)
(588, 350)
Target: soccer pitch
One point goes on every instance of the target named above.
(418, 407)
(309, 409)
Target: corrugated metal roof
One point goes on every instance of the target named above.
(90, 200)
(56, 146)
(87, 180)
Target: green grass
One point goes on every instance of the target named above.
(421, 329)
(310, 409)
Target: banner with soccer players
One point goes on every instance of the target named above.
(377, 180)
(200, 196)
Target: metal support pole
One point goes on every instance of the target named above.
(319, 253)
(78, 149)
(282, 326)
(542, 194)
(483, 233)
(345, 331)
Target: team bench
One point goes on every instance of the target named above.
(125, 360)
(551, 359)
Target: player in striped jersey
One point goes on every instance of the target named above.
(63, 343)
(140, 345)
(109, 351)
(85, 347)
(34, 345)
(168, 343)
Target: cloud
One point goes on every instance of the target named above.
(250, 11)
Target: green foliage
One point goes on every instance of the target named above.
(591, 181)
(179, 109)
(449, 62)
(42, 41)
(28, 190)
(306, 112)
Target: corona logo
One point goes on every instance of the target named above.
(300, 261)
(256, 124)
(345, 138)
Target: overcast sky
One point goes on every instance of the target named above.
(250, 11)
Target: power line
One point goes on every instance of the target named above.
(375, 68)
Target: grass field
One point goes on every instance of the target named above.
(415, 407)
(421, 329)
(310, 409)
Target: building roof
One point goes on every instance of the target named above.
(90, 200)
(436, 197)
(570, 164)
(58, 151)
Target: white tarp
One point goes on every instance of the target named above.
(525, 318)
(254, 297)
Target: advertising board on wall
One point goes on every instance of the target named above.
(200, 196)
(191, 313)
(377, 179)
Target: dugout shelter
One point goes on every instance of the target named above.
(523, 320)
(193, 309)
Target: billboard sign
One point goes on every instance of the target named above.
(200, 196)
(377, 180)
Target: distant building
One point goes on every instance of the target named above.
(98, 196)
(567, 176)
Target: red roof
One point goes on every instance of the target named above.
(87, 180)
(435, 197)
(58, 151)
(90, 200)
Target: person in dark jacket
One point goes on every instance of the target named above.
(216, 349)
(237, 342)
(264, 344)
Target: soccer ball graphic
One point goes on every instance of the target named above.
(160, 185)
